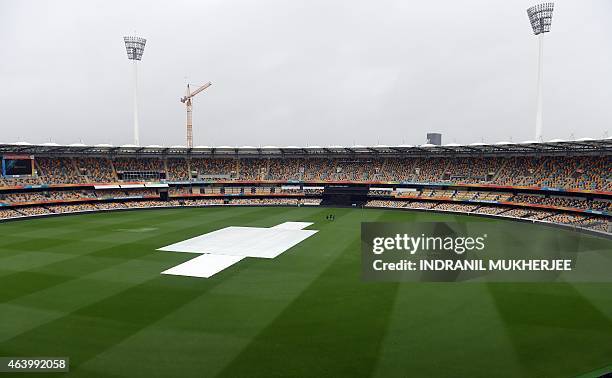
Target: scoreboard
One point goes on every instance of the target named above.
(17, 165)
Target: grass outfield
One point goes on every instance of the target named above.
(89, 287)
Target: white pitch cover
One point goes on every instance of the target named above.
(203, 266)
(227, 246)
(293, 225)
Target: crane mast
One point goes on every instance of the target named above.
(187, 100)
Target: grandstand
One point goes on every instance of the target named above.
(560, 182)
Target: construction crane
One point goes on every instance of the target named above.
(187, 101)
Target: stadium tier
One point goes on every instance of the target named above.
(566, 183)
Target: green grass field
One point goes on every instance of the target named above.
(89, 287)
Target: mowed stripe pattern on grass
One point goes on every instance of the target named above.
(89, 287)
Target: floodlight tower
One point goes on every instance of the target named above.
(135, 48)
(540, 17)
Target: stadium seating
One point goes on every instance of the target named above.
(506, 186)
(589, 173)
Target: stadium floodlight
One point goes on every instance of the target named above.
(540, 17)
(135, 48)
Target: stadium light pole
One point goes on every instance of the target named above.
(135, 48)
(540, 17)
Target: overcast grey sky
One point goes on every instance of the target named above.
(303, 72)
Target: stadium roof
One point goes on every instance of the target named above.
(554, 147)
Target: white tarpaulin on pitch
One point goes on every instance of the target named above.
(292, 225)
(203, 266)
(227, 246)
